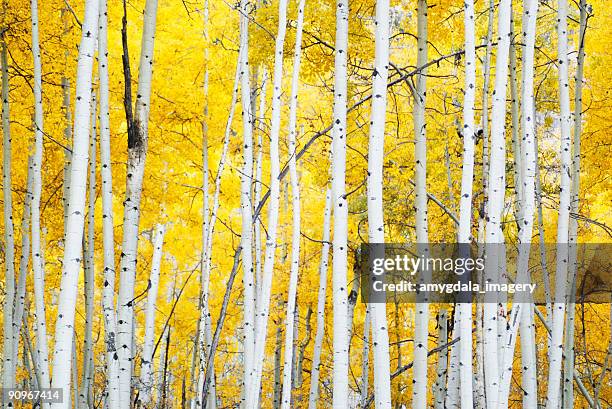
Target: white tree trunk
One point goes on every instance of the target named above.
(263, 303)
(296, 216)
(380, 335)
(37, 263)
(137, 151)
(204, 332)
(108, 290)
(453, 379)
(73, 242)
(258, 185)
(568, 384)
(496, 189)
(246, 205)
(318, 344)
(365, 358)
(558, 319)
(88, 270)
(465, 203)
(340, 211)
(10, 342)
(421, 331)
(439, 387)
(522, 309)
(146, 370)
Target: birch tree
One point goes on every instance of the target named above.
(263, 303)
(146, 370)
(558, 319)
(323, 267)
(137, 151)
(496, 190)
(419, 382)
(108, 240)
(340, 211)
(376, 232)
(73, 241)
(37, 264)
(296, 216)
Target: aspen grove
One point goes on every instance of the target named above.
(189, 189)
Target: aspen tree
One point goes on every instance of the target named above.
(522, 313)
(465, 202)
(323, 267)
(246, 179)
(37, 264)
(11, 344)
(108, 237)
(340, 211)
(568, 384)
(146, 370)
(376, 233)
(421, 334)
(296, 215)
(558, 319)
(73, 242)
(263, 303)
(137, 151)
(88, 270)
(496, 189)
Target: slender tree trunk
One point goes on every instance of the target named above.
(465, 204)
(365, 359)
(568, 384)
(137, 151)
(276, 401)
(263, 303)
(380, 335)
(246, 180)
(257, 186)
(11, 344)
(146, 370)
(421, 332)
(73, 242)
(558, 319)
(88, 270)
(439, 387)
(340, 211)
(37, 264)
(318, 344)
(522, 307)
(108, 291)
(296, 215)
(496, 190)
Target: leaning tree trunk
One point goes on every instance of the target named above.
(295, 210)
(496, 189)
(10, 343)
(465, 204)
(146, 370)
(263, 303)
(37, 256)
(380, 335)
(421, 333)
(138, 134)
(318, 343)
(556, 354)
(340, 211)
(73, 242)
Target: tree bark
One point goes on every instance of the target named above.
(73, 243)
